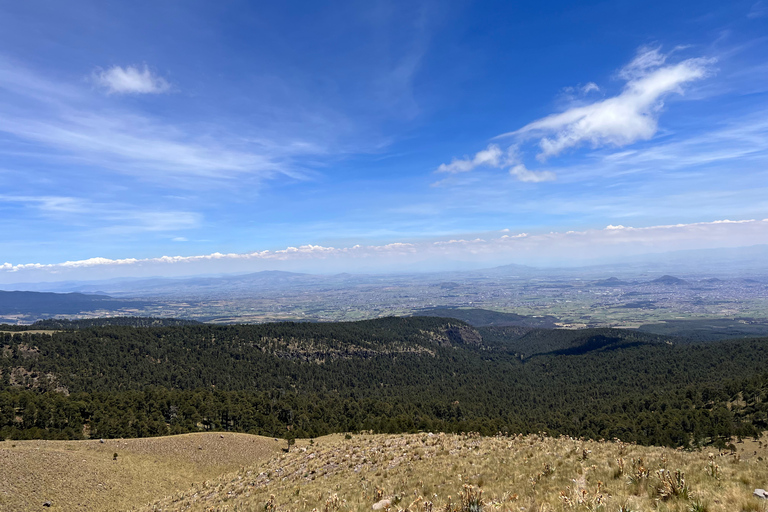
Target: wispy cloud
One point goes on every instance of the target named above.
(113, 218)
(740, 143)
(131, 80)
(494, 157)
(72, 123)
(56, 205)
(758, 10)
(522, 173)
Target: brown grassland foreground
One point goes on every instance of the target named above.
(468, 473)
(84, 475)
(395, 473)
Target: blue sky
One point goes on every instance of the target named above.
(136, 130)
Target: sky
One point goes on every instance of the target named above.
(187, 137)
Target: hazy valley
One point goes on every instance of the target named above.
(601, 296)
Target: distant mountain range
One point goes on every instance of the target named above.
(240, 285)
(278, 295)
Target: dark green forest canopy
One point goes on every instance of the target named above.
(386, 375)
(125, 321)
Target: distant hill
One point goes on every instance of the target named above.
(670, 280)
(42, 304)
(611, 281)
(485, 317)
(714, 329)
(532, 342)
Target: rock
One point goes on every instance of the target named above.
(381, 505)
(761, 493)
(101, 441)
(47, 504)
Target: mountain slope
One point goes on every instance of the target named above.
(39, 304)
(385, 375)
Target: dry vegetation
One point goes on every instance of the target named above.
(415, 473)
(84, 475)
(454, 473)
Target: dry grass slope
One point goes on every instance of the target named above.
(452, 473)
(83, 475)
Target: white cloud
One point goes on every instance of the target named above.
(131, 80)
(490, 156)
(520, 172)
(493, 156)
(591, 86)
(623, 119)
(617, 121)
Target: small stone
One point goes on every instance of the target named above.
(380, 505)
(47, 504)
(101, 441)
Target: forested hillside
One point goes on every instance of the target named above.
(39, 304)
(123, 321)
(387, 375)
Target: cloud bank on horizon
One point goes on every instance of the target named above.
(547, 249)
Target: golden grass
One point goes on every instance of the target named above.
(418, 473)
(83, 475)
(450, 473)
